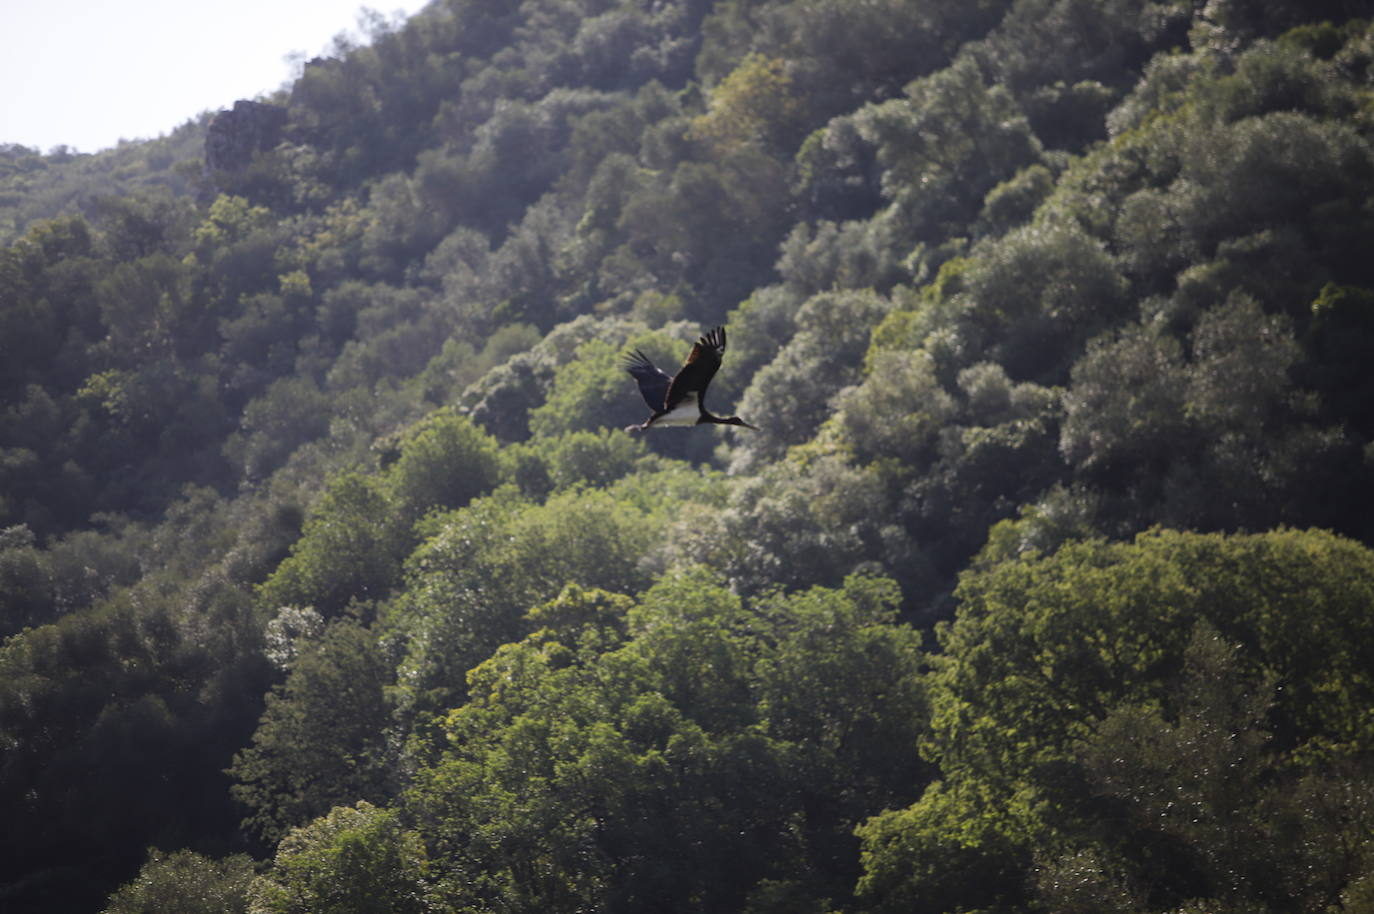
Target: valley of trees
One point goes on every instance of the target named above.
(330, 583)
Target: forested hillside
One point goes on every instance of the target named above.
(330, 582)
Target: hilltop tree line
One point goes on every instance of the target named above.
(328, 583)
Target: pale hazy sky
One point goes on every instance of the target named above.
(88, 73)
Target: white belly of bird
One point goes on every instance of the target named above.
(685, 413)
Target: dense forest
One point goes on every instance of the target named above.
(329, 581)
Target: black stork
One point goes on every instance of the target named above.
(681, 399)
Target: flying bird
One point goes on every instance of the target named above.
(681, 399)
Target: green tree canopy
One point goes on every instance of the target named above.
(685, 726)
(1045, 649)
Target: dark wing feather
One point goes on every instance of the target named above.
(653, 383)
(696, 373)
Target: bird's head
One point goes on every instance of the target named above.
(736, 420)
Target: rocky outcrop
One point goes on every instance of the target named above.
(235, 136)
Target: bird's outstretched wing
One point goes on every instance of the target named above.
(653, 383)
(696, 373)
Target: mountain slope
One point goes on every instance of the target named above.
(315, 538)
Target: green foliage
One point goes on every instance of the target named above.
(444, 463)
(1208, 442)
(583, 458)
(322, 739)
(1032, 298)
(944, 146)
(35, 187)
(941, 852)
(350, 548)
(586, 393)
(290, 413)
(802, 523)
(1341, 327)
(25, 585)
(1204, 782)
(1012, 202)
(1010, 276)
(753, 106)
(104, 712)
(1087, 647)
(40, 585)
(875, 417)
(960, 460)
(620, 736)
(1239, 585)
(788, 399)
(356, 860)
(481, 568)
(186, 881)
